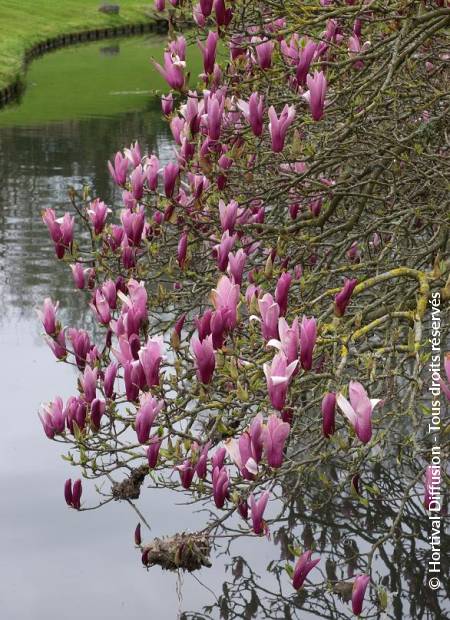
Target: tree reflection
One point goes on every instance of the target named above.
(348, 530)
(37, 166)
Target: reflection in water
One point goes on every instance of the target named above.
(110, 50)
(341, 527)
(37, 166)
(85, 554)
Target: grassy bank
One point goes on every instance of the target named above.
(102, 78)
(26, 23)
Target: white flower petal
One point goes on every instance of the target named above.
(346, 409)
(277, 380)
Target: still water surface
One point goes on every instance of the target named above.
(80, 106)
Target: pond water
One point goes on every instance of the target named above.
(81, 105)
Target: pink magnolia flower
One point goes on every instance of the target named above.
(243, 508)
(278, 376)
(80, 344)
(303, 566)
(153, 451)
(223, 15)
(177, 47)
(72, 495)
(137, 180)
(202, 459)
(221, 485)
(182, 249)
(172, 71)
(257, 508)
(89, 384)
(264, 51)
(208, 50)
(79, 275)
(304, 62)
(218, 326)
(149, 409)
(52, 418)
(116, 237)
(77, 490)
(167, 104)
(119, 169)
(354, 253)
(126, 353)
(278, 126)
(101, 307)
(205, 358)
(203, 324)
(308, 336)
(270, 313)
(128, 254)
(75, 413)
(355, 49)
(177, 127)
(170, 175)
(177, 330)
(317, 85)
(98, 212)
(58, 345)
(282, 291)
(228, 214)
(224, 248)
(214, 117)
(242, 453)
(289, 342)
(275, 434)
(133, 224)
(109, 379)
(359, 410)
(246, 452)
(134, 309)
(253, 111)
(109, 291)
(61, 230)
(186, 471)
(206, 7)
(342, 298)
(225, 297)
(236, 265)
(98, 408)
(198, 16)
(132, 376)
(151, 170)
(137, 535)
(150, 357)
(218, 458)
(48, 316)
(133, 154)
(358, 591)
(328, 414)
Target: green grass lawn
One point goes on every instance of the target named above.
(25, 23)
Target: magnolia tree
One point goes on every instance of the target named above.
(263, 300)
